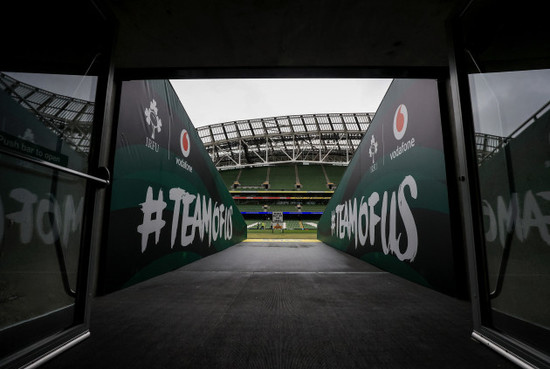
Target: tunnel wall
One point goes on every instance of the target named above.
(391, 208)
(168, 205)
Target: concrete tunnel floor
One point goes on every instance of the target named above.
(297, 304)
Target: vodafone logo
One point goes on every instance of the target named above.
(185, 143)
(185, 146)
(400, 121)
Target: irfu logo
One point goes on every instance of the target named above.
(373, 149)
(152, 118)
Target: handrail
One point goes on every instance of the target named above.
(58, 247)
(60, 168)
(509, 237)
(63, 268)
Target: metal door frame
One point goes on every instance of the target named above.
(462, 130)
(98, 179)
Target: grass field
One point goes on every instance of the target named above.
(298, 234)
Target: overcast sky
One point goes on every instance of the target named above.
(503, 101)
(210, 101)
(222, 100)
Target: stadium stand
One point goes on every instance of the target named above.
(253, 178)
(280, 207)
(282, 177)
(334, 174)
(261, 191)
(316, 207)
(312, 178)
(290, 164)
(250, 207)
(230, 177)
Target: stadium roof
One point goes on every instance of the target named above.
(310, 138)
(69, 118)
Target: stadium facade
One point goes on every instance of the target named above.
(100, 193)
(289, 165)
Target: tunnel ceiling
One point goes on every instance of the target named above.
(281, 33)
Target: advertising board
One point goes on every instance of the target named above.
(391, 208)
(169, 205)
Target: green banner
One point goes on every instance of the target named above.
(169, 205)
(391, 207)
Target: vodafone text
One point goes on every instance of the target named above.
(358, 220)
(400, 149)
(183, 164)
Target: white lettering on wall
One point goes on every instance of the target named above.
(44, 218)
(24, 217)
(152, 144)
(47, 227)
(72, 218)
(400, 149)
(181, 197)
(358, 220)
(193, 215)
(512, 217)
(150, 224)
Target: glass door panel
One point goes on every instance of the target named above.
(512, 123)
(509, 79)
(48, 161)
(45, 135)
(40, 248)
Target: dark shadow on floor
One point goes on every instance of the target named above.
(279, 305)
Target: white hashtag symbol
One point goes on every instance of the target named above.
(150, 225)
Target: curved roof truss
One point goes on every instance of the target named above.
(309, 138)
(69, 118)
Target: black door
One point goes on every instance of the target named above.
(50, 85)
(503, 63)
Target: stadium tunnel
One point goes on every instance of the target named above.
(121, 242)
